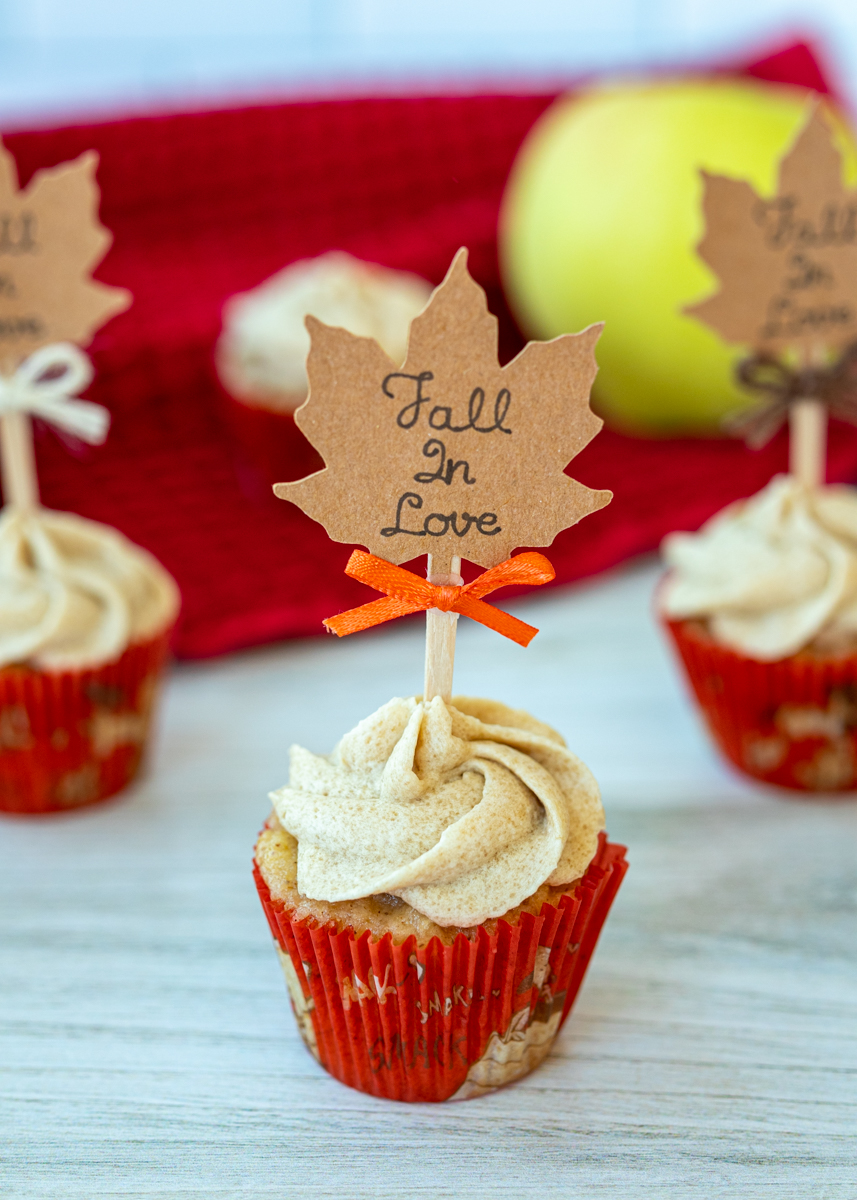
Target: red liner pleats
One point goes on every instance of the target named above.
(71, 738)
(442, 1022)
(792, 723)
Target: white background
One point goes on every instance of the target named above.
(78, 56)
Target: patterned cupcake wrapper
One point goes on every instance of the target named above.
(71, 738)
(792, 723)
(442, 1022)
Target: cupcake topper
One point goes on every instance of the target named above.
(50, 240)
(787, 268)
(449, 455)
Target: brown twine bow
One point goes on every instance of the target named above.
(780, 386)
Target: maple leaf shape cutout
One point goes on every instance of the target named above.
(50, 241)
(787, 265)
(449, 454)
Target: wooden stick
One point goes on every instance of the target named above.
(808, 432)
(18, 461)
(440, 638)
(808, 442)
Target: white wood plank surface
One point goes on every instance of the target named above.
(147, 1048)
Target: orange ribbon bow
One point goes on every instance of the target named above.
(410, 593)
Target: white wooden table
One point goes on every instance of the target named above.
(147, 1048)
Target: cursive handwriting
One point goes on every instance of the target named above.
(15, 327)
(788, 320)
(807, 274)
(438, 524)
(17, 233)
(836, 225)
(445, 472)
(440, 416)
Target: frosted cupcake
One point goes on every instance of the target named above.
(762, 606)
(435, 888)
(85, 620)
(261, 353)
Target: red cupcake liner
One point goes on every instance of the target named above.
(71, 738)
(442, 1022)
(268, 446)
(792, 723)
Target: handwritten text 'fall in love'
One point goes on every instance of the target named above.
(418, 412)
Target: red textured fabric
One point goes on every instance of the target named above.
(206, 204)
(796, 64)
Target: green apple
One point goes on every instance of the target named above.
(600, 221)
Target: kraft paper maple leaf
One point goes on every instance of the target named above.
(787, 265)
(50, 241)
(449, 454)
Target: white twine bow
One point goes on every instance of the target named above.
(46, 385)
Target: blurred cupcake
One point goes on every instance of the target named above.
(762, 606)
(435, 888)
(85, 621)
(261, 354)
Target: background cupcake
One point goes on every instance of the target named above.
(762, 607)
(85, 616)
(261, 354)
(762, 602)
(85, 621)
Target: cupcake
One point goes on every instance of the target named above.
(85, 621)
(761, 604)
(261, 354)
(435, 888)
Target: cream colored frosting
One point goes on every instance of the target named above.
(462, 810)
(261, 355)
(771, 574)
(74, 593)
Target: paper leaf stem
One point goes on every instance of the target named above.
(449, 454)
(787, 265)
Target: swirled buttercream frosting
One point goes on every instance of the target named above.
(74, 593)
(773, 574)
(462, 810)
(261, 354)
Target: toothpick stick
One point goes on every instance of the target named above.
(808, 442)
(808, 436)
(440, 638)
(18, 461)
